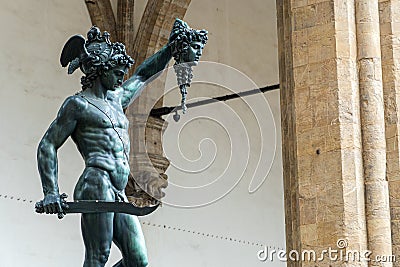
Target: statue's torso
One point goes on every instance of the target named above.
(101, 136)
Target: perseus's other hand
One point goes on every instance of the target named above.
(172, 42)
(174, 35)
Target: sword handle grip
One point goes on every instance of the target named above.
(39, 208)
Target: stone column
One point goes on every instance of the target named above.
(373, 129)
(321, 129)
(147, 163)
(390, 49)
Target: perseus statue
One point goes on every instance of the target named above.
(95, 121)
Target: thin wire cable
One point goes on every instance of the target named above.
(168, 227)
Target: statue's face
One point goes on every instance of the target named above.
(193, 53)
(113, 78)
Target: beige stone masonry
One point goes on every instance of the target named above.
(333, 139)
(101, 15)
(389, 14)
(373, 129)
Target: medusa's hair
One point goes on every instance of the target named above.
(182, 36)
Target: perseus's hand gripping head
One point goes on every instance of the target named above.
(93, 56)
(187, 48)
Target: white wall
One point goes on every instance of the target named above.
(33, 87)
(242, 35)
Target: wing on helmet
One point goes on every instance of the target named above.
(72, 52)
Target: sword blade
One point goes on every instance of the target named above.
(105, 206)
(98, 206)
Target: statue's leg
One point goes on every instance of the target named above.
(128, 237)
(97, 232)
(97, 228)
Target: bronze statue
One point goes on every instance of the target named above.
(95, 121)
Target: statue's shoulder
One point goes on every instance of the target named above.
(115, 96)
(74, 103)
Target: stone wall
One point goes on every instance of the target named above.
(340, 124)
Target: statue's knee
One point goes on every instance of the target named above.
(100, 256)
(103, 256)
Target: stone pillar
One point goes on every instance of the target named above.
(147, 163)
(390, 50)
(289, 145)
(321, 129)
(373, 129)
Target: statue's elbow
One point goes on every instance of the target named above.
(45, 149)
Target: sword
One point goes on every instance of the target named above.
(97, 206)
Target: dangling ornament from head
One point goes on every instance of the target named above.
(187, 48)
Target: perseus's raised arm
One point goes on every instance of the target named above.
(150, 69)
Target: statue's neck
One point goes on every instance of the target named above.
(97, 90)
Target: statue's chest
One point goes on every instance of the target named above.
(100, 114)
